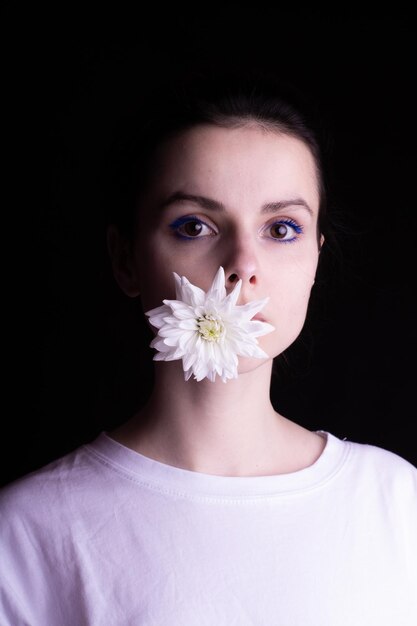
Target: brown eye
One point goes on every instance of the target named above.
(192, 228)
(279, 231)
(286, 230)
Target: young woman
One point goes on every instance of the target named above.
(208, 507)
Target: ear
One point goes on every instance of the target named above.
(122, 260)
(321, 242)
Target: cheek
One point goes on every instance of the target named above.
(153, 292)
(299, 294)
(290, 292)
(293, 274)
(156, 281)
(156, 261)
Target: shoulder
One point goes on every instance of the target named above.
(46, 493)
(380, 458)
(380, 469)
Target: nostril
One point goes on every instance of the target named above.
(233, 278)
(252, 280)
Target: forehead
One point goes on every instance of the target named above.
(244, 164)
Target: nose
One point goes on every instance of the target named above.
(241, 264)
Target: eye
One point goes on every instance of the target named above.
(191, 227)
(285, 230)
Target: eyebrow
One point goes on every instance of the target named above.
(214, 205)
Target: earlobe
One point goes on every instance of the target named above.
(122, 260)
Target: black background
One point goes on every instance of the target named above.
(72, 348)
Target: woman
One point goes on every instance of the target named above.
(208, 506)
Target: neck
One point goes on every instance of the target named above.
(215, 428)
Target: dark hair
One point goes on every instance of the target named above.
(225, 101)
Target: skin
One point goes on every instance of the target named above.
(259, 180)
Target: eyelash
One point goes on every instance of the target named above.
(182, 221)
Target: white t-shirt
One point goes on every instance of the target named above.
(106, 537)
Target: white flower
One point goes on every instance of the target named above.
(208, 331)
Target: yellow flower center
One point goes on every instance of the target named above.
(210, 327)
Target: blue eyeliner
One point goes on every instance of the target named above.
(183, 220)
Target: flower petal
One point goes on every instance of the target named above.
(233, 296)
(217, 290)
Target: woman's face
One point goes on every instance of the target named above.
(244, 198)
